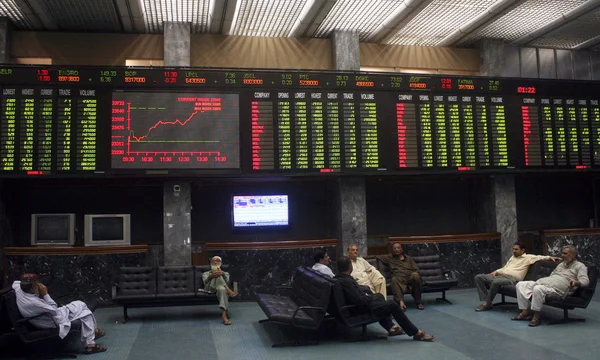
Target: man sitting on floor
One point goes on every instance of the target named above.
(322, 260)
(515, 270)
(378, 304)
(365, 273)
(405, 276)
(215, 281)
(568, 275)
(28, 291)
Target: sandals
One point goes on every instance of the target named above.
(522, 317)
(483, 307)
(99, 334)
(535, 322)
(395, 331)
(227, 322)
(423, 337)
(420, 307)
(94, 349)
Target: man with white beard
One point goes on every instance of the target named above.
(215, 281)
(28, 291)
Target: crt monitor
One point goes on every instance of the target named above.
(52, 229)
(107, 229)
(260, 211)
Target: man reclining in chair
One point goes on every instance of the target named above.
(568, 275)
(28, 291)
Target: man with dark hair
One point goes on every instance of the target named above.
(28, 291)
(405, 276)
(514, 271)
(322, 260)
(567, 276)
(377, 304)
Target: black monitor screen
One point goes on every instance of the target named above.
(107, 228)
(52, 228)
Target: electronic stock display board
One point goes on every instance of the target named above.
(91, 121)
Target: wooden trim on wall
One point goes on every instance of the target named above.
(270, 245)
(559, 232)
(79, 250)
(444, 238)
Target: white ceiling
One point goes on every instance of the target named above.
(566, 24)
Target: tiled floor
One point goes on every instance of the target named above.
(196, 332)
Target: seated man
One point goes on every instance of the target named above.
(365, 273)
(515, 270)
(215, 281)
(28, 291)
(531, 295)
(377, 303)
(405, 276)
(322, 260)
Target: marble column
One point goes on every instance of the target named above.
(346, 51)
(177, 229)
(351, 209)
(351, 206)
(5, 27)
(491, 53)
(177, 44)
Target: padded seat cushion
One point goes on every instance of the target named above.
(187, 295)
(125, 298)
(281, 309)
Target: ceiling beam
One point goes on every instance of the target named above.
(590, 43)
(564, 19)
(228, 18)
(491, 14)
(398, 19)
(311, 17)
(132, 18)
(38, 14)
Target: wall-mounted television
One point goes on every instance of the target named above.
(260, 211)
(53, 229)
(107, 229)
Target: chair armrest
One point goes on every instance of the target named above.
(279, 289)
(319, 309)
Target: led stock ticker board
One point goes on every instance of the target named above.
(125, 121)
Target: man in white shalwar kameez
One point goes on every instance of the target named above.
(365, 273)
(28, 290)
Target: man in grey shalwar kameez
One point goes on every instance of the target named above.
(28, 290)
(215, 281)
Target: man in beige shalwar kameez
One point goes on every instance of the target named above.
(365, 273)
(215, 281)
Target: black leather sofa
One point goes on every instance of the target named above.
(303, 308)
(579, 299)
(435, 277)
(162, 286)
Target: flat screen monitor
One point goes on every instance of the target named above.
(107, 229)
(53, 229)
(260, 211)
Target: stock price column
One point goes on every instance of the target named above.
(301, 130)
(548, 134)
(498, 127)
(64, 126)
(572, 133)
(8, 129)
(27, 129)
(317, 131)
(560, 131)
(584, 133)
(87, 117)
(483, 132)
(369, 138)
(470, 158)
(263, 153)
(454, 131)
(595, 124)
(406, 125)
(284, 130)
(349, 121)
(441, 132)
(45, 125)
(531, 133)
(426, 131)
(334, 139)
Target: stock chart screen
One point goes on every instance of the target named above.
(93, 121)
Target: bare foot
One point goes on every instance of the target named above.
(231, 293)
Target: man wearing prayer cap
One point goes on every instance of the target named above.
(215, 281)
(33, 300)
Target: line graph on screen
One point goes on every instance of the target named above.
(174, 130)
